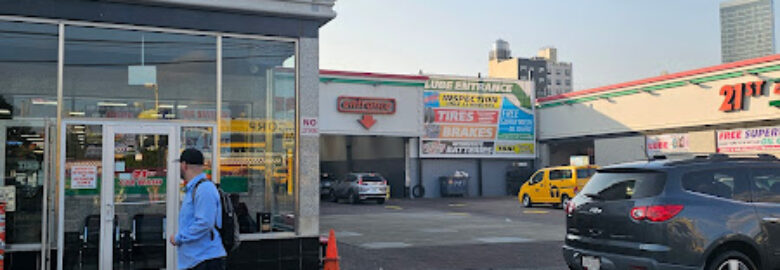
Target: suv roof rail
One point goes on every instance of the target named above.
(722, 156)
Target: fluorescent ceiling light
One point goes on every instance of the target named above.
(78, 127)
(5, 111)
(112, 104)
(169, 106)
(34, 139)
(77, 113)
(38, 151)
(40, 101)
(30, 135)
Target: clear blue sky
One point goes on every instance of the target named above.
(608, 41)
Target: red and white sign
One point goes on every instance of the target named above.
(310, 126)
(667, 143)
(366, 105)
(83, 177)
(465, 116)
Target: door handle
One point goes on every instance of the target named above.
(772, 219)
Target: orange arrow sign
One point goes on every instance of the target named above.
(367, 121)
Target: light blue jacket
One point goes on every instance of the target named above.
(196, 224)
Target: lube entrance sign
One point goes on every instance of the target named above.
(467, 118)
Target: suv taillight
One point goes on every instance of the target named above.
(576, 189)
(360, 181)
(656, 213)
(384, 182)
(570, 207)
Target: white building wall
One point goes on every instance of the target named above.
(619, 150)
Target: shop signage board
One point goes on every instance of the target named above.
(366, 105)
(666, 144)
(735, 96)
(762, 139)
(477, 118)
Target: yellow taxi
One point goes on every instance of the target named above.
(555, 185)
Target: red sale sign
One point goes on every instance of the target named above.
(465, 116)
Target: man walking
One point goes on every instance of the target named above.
(198, 241)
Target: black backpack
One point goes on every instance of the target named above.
(229, 231)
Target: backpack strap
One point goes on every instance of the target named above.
(194, 189)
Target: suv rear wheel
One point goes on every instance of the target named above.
(732, 260)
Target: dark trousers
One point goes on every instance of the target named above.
(213, 264)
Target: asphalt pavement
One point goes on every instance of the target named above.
(446, 233)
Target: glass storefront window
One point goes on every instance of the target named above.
(28, 108)
(257, 139)
(111, 73)
(28, 70)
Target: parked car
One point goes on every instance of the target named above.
(556, 185)
(714, 212)
(326, 184)
(357, 187)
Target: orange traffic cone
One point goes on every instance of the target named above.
(331, 253)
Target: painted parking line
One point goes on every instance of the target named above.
(394, 207)
(344, 234)
(438, 230)
(463, 214)
(498, 240)
(457, 205)
(379, 245)
(535, 212)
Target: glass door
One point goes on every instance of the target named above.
(26, 147)
(141, 197)
(123, 223)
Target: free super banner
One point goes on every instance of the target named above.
(750, 140)
(478, 118)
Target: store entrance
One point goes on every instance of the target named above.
(26, 145)
(121, 192)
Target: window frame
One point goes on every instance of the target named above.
(743, 172)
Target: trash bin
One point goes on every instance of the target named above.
(454, 186)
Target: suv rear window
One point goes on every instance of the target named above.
(585, 173)
(612, 185)
(369, 178)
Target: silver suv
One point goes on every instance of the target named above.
(356, 187)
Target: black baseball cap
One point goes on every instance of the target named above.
(191, 156)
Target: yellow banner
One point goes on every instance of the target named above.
(468, 100)
(520, 148)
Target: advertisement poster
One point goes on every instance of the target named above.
(764, 139)
(478, 118)
(83, 177)
(666, 144)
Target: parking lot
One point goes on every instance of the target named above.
(446, 233)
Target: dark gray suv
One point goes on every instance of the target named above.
(710, 212)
